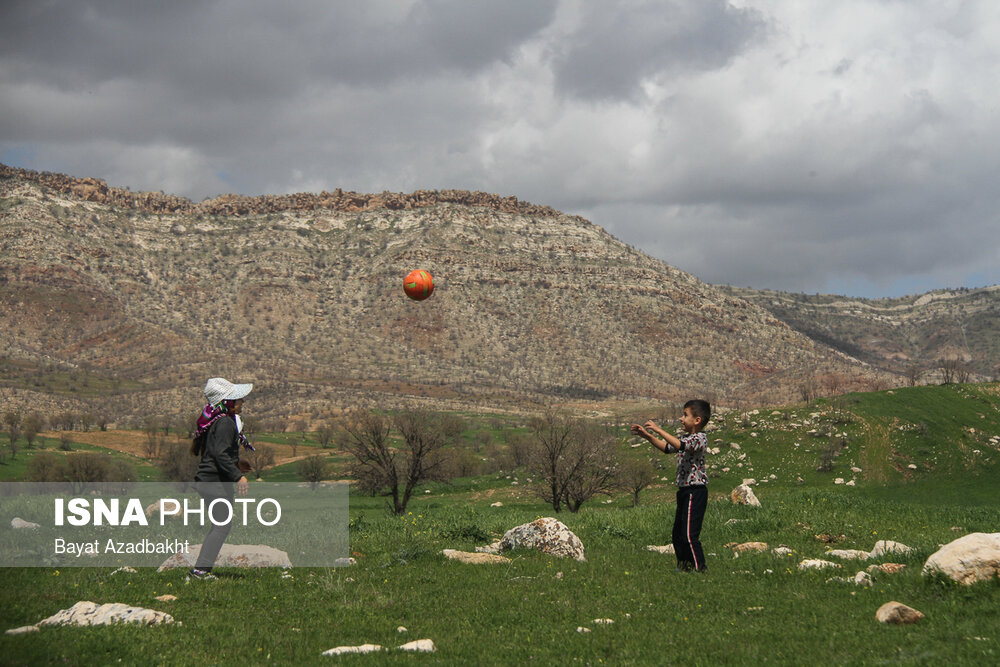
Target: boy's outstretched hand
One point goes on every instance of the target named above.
(639, 430)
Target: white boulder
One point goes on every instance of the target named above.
(546, 534)
(969, 559)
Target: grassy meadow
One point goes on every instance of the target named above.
(923, 463)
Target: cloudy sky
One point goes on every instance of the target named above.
(810, 146)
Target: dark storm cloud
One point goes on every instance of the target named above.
(618, 44)
(801, 146)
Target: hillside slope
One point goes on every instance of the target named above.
(898, 334)
(303, 297)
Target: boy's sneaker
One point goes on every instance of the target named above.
(202, 574)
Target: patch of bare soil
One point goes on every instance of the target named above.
(135, 443)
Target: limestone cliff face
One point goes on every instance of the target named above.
(96, 190)
(302, 295)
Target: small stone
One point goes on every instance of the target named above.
(401, 629)
(474, 558)
(816, 564)
(582, 629)
(897, 613)
(342, 650)
(603, 621)
(744, 495)
(165, 598)
(886, 568)
(849, 554)
(23, 630)
(419, 645)
(884, 547)
(664, 549)
(18, 522)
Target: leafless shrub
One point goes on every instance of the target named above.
(635, 475)
(176, 463)
(312, 469)
(46, 467)
(261, 457)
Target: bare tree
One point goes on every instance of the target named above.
(574, 459)
(396, 472)
(809, 388)
(599, 473)
(324, 434)
(13, 423)
(31, 427)
(551, 456)
(949, 369)
(154, 439)
(635, 475)
(261, 457)
(913, 373)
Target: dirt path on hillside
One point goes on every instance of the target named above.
(134, 443)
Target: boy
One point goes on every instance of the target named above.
(692, 479)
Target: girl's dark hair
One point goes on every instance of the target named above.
(700, 408)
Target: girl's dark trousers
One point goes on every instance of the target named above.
(217, 534)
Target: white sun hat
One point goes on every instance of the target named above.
(220, 389)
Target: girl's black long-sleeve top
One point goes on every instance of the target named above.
(221, 454)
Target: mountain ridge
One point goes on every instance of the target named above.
(136, 305)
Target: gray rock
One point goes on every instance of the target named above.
(18, 522)
(232, 555)
(744, 495)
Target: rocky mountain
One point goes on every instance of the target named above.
(130, 300)
(922, 336)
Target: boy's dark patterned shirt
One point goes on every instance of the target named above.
(691, 469)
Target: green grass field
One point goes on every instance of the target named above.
(755, 608)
